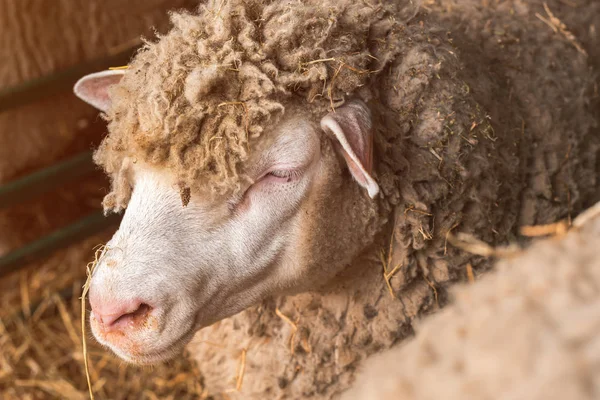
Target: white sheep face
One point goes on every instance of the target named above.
(172, 269)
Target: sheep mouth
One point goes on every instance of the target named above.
(132, 353)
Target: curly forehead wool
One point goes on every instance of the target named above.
(196, 100)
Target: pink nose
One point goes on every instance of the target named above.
(118, 314)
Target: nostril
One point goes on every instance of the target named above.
(120, 314)
(138, 314)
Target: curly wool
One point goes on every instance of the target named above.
(194, 101)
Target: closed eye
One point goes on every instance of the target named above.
(275, 176)
(281, 175)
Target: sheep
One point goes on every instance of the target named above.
(265, 153)
(529, 330)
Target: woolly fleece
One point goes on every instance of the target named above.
(527, 331)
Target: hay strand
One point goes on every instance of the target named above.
(470, 274)
(387, 273)
(556, 229)
(86, 287)
(242, 369)
(559, 27)
(471, 244)
(292, 325)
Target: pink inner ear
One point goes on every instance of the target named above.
(351, 125)
(355, 171)
(93, 88)
(98, 89)
(361, 144)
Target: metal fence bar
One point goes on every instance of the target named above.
(64, 237)
(46, 179)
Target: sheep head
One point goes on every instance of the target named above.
(183, 260)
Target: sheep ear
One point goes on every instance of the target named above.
(351, 125)
(93, 88)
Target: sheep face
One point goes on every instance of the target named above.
(303, 215)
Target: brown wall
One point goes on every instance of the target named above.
(40, 37)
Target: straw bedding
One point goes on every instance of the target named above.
(40, 341)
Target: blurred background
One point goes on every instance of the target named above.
(50, 196)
